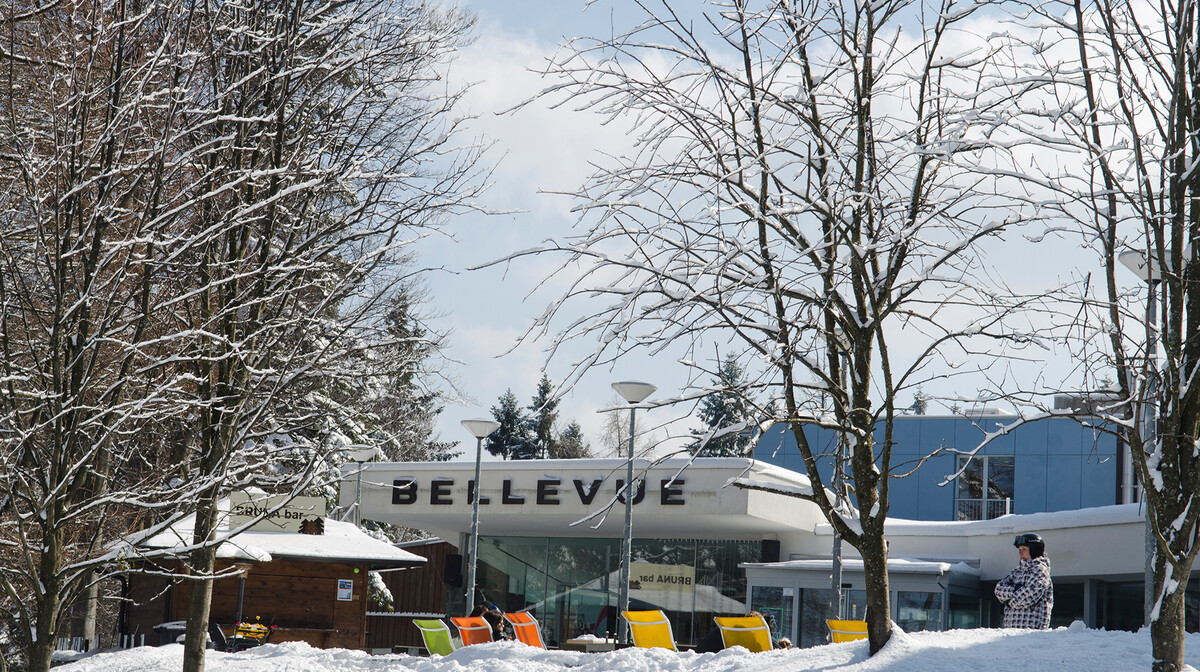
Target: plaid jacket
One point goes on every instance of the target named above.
(1027, 594)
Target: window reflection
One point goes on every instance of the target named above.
(984, 486)
(917, 611)
(775, 604)
(814, 611)
(571, 584)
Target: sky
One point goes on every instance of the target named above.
(540, 151)
(537, 151)
(980, 650)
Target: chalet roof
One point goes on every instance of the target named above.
(341, 542)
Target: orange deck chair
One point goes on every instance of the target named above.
(472, 629)
(525, 626)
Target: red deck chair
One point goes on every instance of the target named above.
(472, 629)
(526, 628)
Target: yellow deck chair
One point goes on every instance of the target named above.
(847, 631)
(750, 632)
(650, 629)
(472, 629)
(525, 627)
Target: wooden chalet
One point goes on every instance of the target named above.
(310, 585)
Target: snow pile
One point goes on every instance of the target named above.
(981, 650)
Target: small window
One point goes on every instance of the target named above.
(917, 611)
(985, 487)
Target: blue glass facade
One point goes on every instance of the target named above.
(1058, 464)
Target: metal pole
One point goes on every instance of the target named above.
(241, 594)
(627, 546)
(1149, 432)
(474, 529)
(839, 486)
(358, 498)
(836, 579)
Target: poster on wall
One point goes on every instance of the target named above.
(345, 590)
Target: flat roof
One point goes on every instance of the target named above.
(682, 497)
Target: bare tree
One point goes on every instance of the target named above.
(799, 187)
(313, 151)
(614, 435)
(1121, 101)
(206, 212)
(81, 196)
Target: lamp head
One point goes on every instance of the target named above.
(480, 428)
(633, 391)
(360, 453)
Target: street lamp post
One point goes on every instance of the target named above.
(359, 454)
(480, 429)
(1147, 267)
(632, 392)
(242, 567)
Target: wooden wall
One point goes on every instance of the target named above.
(300, 598)
(414, 591)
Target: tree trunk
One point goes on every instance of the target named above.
(42, 647)
(83, 619)
(1167, 626)
(1166, 631)
(879, 608)
(200, 589)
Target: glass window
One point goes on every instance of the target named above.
(856, 604)
(583, 581)
(672, 580)
(774, 603)
(964, 611)
(984, 487)
(815, 609)
(511, 572)
(1068, 604)
(571, 584)
(917, 611)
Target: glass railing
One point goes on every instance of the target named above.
(982, 509)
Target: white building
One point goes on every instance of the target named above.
(702, 546)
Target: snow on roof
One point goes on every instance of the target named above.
(341, 542)
(1117, 514)
(895, 566)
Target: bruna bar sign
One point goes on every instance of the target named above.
(546, 491)
(649, 576)
(244, 507)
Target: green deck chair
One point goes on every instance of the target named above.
(436, 636)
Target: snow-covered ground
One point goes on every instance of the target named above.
(983, 650)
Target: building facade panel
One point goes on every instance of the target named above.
(1056, 464)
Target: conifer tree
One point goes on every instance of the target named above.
(726, 407)
(571, 444)
(544, 413)
(511, 441)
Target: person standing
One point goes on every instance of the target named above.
(1027, 593)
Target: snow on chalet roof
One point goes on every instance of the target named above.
(341, 542)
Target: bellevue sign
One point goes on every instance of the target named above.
(548, 491)
(674, 498)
